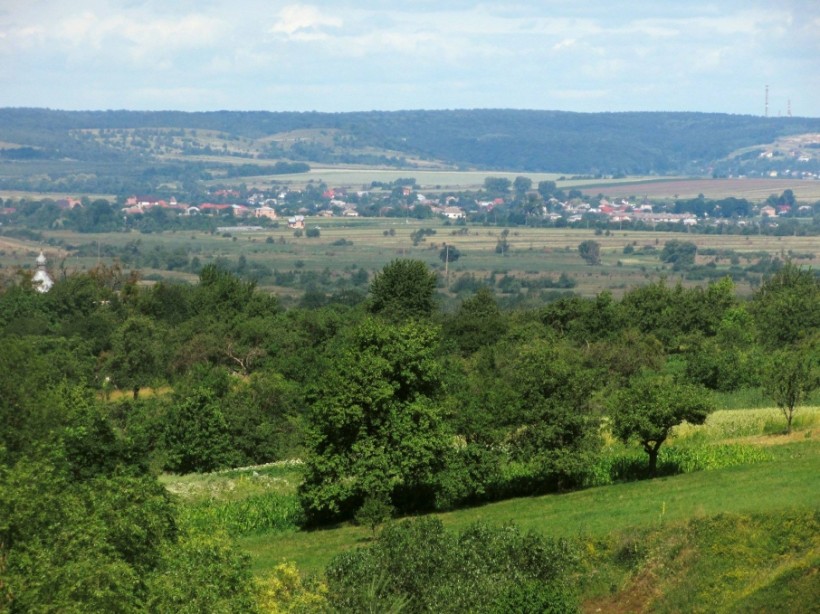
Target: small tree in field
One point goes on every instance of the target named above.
(590, 251)
(789, 378)
(650, 406)
(375, 510)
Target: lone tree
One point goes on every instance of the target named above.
(791, 376)
(404, 289)
(590, 251)
(680, 254)
(650, 406)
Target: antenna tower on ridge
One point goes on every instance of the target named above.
(789, 108)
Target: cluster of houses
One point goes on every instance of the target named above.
(339, 203)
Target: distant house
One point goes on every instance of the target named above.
(214, 208)
(69, 203)
(453, 213)
(297, 222)
(265, 211)
(768, 211)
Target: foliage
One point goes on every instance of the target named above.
(648, 408)
(375, 427)
(196, 434)
(403, 289)
(786, 307)
(680, 254)
(590, 251)
(428, 569)
(202, 573)
(79, 545)
(284, 591)
(790, 377)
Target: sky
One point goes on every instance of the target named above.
(363, 55)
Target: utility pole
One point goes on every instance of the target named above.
(766, 109)
(447, 265)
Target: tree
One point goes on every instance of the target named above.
(477, 323)
(196, 434)
(786, 308)
(449, 253)
(136, 354)
(375, 428)
(789, 378)
(680, 254)
(521, 185)
(590, 251)
(497, 184)
(404, 289)
(549, 409)
(648, 408)
(547, 188)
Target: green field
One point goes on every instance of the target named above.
(534, 252)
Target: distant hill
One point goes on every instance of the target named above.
(162, 142)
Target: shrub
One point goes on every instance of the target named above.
(425, 569)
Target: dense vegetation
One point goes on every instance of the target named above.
(394, 405)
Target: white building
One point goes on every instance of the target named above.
(42, 280)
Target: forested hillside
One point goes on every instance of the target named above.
(579, 143)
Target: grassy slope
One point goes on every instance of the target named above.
(742, 538)
(790, 482)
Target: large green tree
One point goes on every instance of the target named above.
(786, 308)
(375, 427)
(403, 289)
(650, 406)
(137, 354)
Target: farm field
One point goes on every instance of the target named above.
(755, 190)
(346, 245)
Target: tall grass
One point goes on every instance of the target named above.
(735, 424)
(266, 513)
(622, 464)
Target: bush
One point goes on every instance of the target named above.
(420, 566)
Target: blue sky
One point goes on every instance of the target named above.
(344, 55)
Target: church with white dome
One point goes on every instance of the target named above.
(42, 280)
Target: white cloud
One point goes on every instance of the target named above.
(392, 54)
(304, 22)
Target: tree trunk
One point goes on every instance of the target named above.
(653, 461)
(136, 392)
(652, 450)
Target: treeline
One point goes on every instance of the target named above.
(588, 143)
(394, 405)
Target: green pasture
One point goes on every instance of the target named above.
(746, 466)
(370, 243)
(790, 482)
